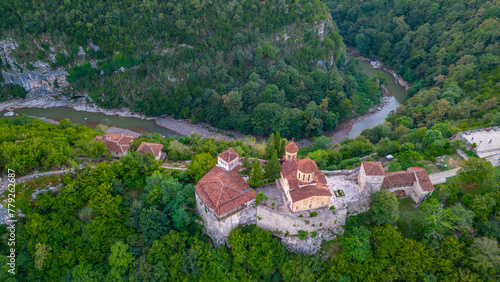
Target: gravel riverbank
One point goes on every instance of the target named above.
(182, 127)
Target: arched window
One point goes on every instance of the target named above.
(309, 178)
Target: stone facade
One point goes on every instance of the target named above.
(280, 222)
(219, 228)
(369, 183)
(310, 203)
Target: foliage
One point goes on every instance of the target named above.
(200, 164)
(485, 253)
(272, 168)
(356, 243)
(385, 208)
(256, 175)
(303, 234)
(29, 144)
(260, 197)
(475, 170)
(246, 167)
(178, 151)
(454, 77)
(9, 91)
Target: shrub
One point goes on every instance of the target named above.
(303, 234)
(313, 214)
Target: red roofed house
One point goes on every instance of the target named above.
(413, 182)
(117, 143)
(152, 148)
(371, 175)
(303, 183)
(223, 197)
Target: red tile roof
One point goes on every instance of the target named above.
(423, 178)
(229, 155)
(116, 142)
(153, 148)
(373, 168)
(307, 166)
(300, 190)
(223, 191)
(398, 178)
(292, 147)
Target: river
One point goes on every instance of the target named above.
(92, 119)
(395, 96)
(351, 129)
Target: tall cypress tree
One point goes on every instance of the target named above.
(256, 174)
(272, 169)
(277, 142)
(282, 148)
(270, 147)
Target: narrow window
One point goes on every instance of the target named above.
(309, 177)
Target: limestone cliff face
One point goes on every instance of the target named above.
(40, 81)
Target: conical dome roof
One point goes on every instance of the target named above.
(291, 148)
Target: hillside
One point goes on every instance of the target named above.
(253, 66)
(449, 50)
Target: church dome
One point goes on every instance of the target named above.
(291, 148)
(306, 166)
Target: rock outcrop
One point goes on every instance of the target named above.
(40, 81)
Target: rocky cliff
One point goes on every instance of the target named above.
(39, 81)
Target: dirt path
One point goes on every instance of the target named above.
(440, 177)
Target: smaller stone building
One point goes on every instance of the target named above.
(224, 200)
(303, 183)
(151, 148)
(413, 182)
(117, 143)
(371, 175)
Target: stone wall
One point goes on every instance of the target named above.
(361, 205)
(219, 230)
(277, 221)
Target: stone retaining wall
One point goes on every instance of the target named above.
(219, 230)
(277, 221)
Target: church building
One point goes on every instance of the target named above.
(303, 183)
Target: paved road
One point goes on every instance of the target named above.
(172, 167)
(440, 177)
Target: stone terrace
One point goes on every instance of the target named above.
(487, 142)
(350, 190)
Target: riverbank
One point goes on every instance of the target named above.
(380, 65)
(344, 127)
(111, 129)
(180, 126)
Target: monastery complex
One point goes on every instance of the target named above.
(303, 199)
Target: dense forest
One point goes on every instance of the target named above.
(130, 220)
(254, 66)
(449, 50)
